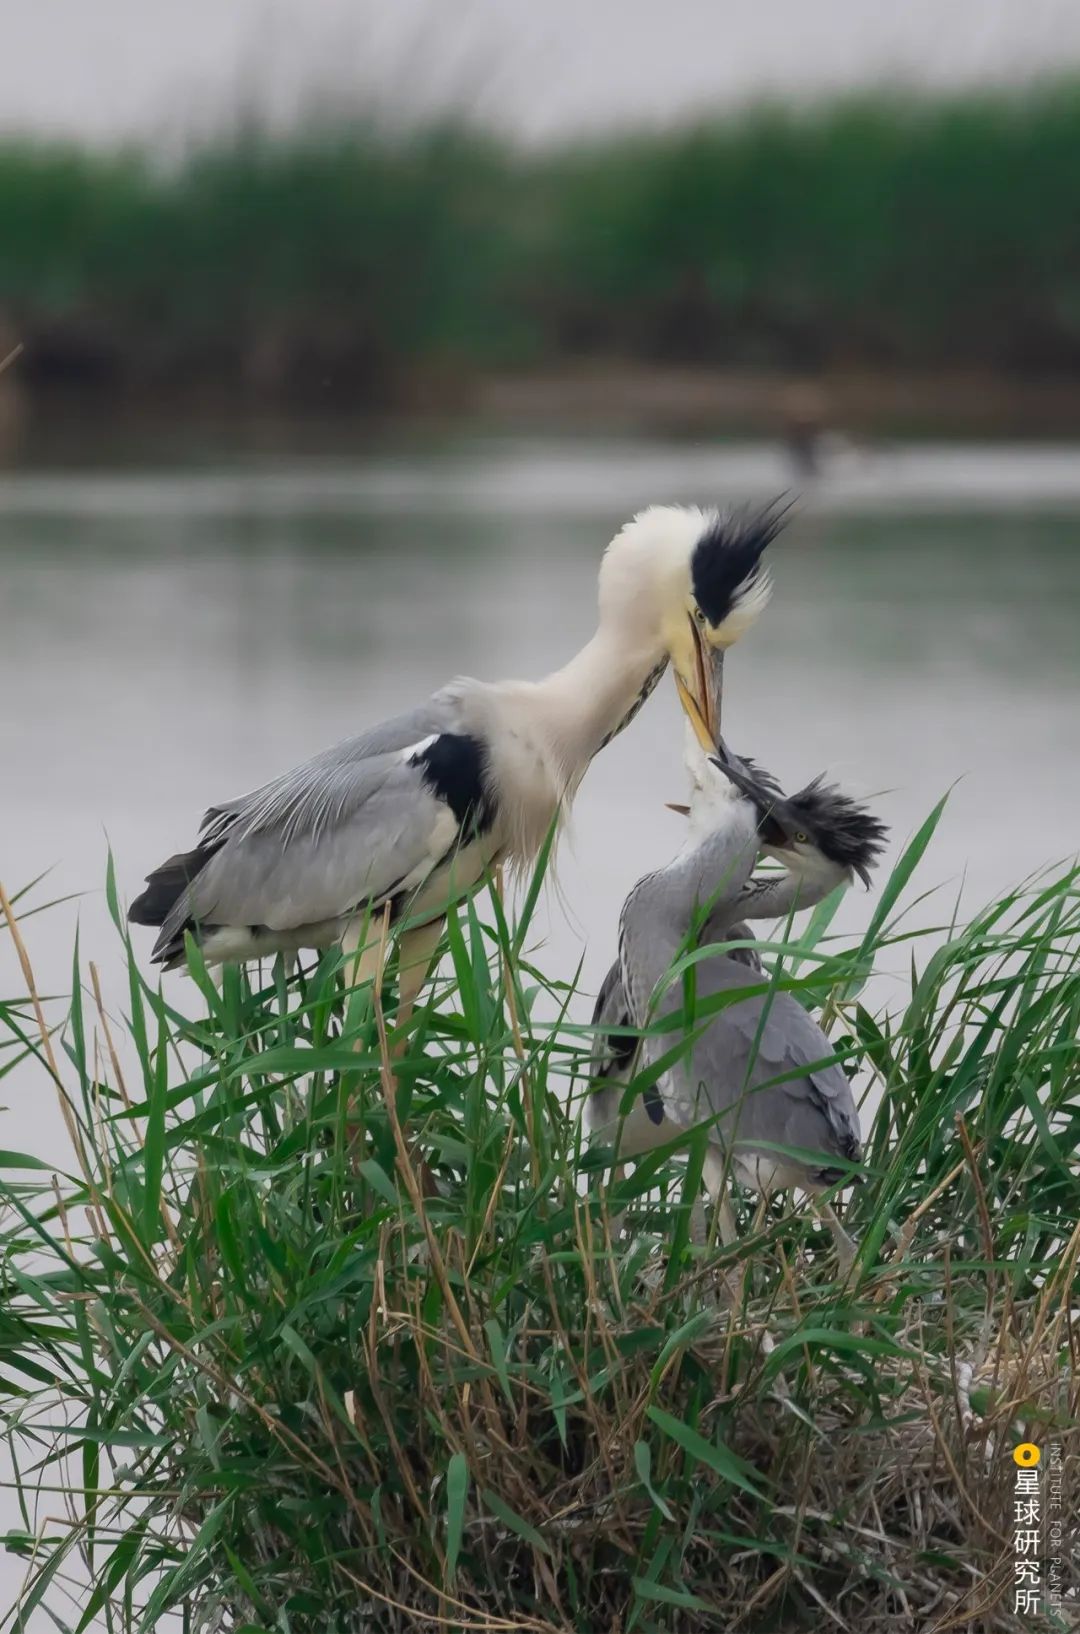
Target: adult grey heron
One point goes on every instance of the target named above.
(742, 1074)
(405, 818)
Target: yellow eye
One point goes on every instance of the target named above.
(699, 617)
(800, 838)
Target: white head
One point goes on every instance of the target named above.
(688, 583)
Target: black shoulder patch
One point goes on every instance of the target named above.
(455, 770)
(621, 1046)
(654, 1106)
(727, 558)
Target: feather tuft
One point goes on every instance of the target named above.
(730, 581)
(845, 831)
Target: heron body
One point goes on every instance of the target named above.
(755, 1071)
(644, 1125)
(411, 815)
(406, 814)
(759, 1073)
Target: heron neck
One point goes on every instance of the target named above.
(705, 879)
(590, 699)
(774, 896)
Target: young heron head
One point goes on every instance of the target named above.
(820, 827)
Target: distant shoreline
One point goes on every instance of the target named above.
(592, 399)
(881, 402)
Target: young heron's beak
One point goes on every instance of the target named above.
(766, 800)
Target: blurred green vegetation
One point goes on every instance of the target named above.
(882, 231)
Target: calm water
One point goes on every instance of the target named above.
(171, 637)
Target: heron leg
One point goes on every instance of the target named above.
(846, 1245)
(617, 1221)
(699, 1224)
(363, 948)
(714, 1178)
(416, 951)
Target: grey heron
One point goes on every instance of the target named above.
(408, 816)
(822, 838)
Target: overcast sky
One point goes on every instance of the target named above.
(108, 68)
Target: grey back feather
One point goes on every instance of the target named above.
(731, 1070)
(310, 796)
(611, 1063)
(353, 824)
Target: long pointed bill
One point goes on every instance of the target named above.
(694, 715)
(702, 706)
(765, 800)
(714, 689)
(709, 680)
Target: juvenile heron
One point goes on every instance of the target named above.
(822, 838)
(411, 815)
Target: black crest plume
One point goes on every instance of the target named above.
(845, 831)
(726, 566)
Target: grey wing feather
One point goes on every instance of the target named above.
(739, 1053)
(379, 832)
(611, 1068)
(356, 823)
(718, 929)
(611, 1010)
(820, 1102)
(311, 793)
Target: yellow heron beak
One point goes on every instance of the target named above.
(703, 710)
(694, 715)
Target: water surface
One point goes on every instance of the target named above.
(173, 636)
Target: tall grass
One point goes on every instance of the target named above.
(256, 1375)
(892, 229)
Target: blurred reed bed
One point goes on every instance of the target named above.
(887, 231)
(255, 1376)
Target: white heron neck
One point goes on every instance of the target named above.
(542, 735)
(586, 702)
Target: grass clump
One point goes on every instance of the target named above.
(281, 1389)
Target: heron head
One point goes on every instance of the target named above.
(696, 578)
(818, 828)
(823, 822)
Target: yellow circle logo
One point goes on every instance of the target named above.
(1026, 1455)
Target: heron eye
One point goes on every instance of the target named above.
(801, 838)
(699, 617)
